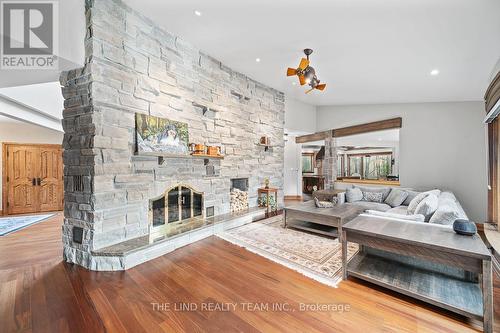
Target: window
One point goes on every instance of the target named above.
(377, 166)
(340, 165)
(307, 162)
(355, 165)
(370, 166)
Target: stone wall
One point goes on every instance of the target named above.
(133, 66)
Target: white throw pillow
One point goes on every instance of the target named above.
(427, 206)
(414, 203)
(396, 197)
(353, 194)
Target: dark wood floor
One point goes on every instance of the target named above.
(40, 293)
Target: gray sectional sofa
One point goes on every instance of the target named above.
(434, 206)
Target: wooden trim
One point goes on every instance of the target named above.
(370, 154)
(368, 127)
(4, 177)
(370, 182)
(492, 94)
(313, 137)
(293, 197)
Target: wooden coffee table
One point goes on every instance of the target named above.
(326, 221)
(430, 250)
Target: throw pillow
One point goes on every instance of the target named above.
(323, 204)
(373, 196)
(444, 216)
(427, 207)
(396, 197)
(384, 190)
(353, 194)
(411, 195)
(335, 200)
(414, 203)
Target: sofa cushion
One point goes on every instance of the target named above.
(411, 195)
(373, 196)
(402, 210)
(421, 196)
(428, 206)
(384, 190)
(396, 197)
(414, 217)
(382, 207)
(449, 209)
(353, 194)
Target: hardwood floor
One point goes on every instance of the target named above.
(40, 293)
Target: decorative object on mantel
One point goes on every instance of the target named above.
(268, 197)
(464, 227)
(265, 141)
(160, 135)
(266, 183)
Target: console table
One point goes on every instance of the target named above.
(428, 262)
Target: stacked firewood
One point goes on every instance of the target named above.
(239, 200)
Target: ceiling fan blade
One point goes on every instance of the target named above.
(303, 63)
(307, 92)
(291, 71)
(321, 86)
(302, 80)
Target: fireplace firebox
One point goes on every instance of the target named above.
(177, 207)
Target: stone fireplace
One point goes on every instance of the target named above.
(134, 66)
(175, 211)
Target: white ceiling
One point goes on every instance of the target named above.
(46, 98)
(367, 51)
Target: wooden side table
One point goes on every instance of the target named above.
(268, 192)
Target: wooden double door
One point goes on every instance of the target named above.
(33, 178)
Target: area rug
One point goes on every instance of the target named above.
(317, 257)
(15, 223)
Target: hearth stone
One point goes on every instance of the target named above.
(133, 252)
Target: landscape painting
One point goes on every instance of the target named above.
(160, 135)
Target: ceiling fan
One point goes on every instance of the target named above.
(306, 73)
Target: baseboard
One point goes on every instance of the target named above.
(293, 197)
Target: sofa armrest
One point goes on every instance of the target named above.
(341, 198)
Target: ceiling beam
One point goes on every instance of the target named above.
(368, 127)
(352, 130)
(313, 137)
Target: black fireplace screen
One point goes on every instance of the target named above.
(177, 204)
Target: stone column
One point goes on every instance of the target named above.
(330, 163)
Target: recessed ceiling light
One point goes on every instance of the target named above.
(197, 13)
(257, 59)
(435, 72)
(294, 83)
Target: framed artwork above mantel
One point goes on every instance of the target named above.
(160, 136)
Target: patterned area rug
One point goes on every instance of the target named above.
(15, 223)
(317, 257)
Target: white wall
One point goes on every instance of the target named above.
(442, 145)
(292, 182)
(299, 117)
(19, 132)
